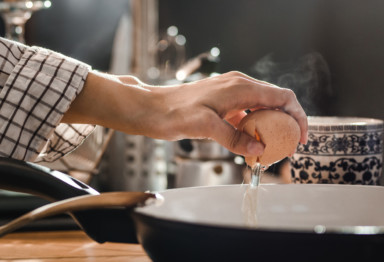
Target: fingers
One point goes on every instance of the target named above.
(239, 74)
(236, 141)
(293, 107)
(262, 94)
(303, 123)
(235, 117)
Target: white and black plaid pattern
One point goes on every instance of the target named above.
(37, 87)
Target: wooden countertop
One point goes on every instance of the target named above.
(65, 246)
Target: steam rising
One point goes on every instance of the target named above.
(308, 76)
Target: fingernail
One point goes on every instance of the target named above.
(255, 148)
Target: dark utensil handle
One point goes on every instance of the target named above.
(20, 176)
(102, 225)
(88, 202)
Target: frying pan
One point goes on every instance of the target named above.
(294, 222)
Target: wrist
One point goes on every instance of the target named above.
(108, 101)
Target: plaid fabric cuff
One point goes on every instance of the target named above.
(37, 93)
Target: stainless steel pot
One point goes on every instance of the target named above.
(204, 163)
(201, 149)
(295, 222)
(195, 172)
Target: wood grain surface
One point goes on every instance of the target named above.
(65, 246)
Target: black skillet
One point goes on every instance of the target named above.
(196, 224)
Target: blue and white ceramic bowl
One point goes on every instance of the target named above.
(340, 150)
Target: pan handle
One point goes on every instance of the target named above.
(80, 203)
(20, 176)
(101, 224)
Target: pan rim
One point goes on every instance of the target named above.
(317, 230)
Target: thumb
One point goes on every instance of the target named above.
(236, 141)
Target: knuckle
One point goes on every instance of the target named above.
(235, 82)
(233, 79)
(290, 94)
(235, 74)
(287, 96)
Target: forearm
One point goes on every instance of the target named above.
(106, 101)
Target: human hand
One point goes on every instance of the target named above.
(210, 108)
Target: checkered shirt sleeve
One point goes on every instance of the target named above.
(37, 87)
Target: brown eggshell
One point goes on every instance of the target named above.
(278, 131)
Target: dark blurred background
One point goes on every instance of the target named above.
(330, 52)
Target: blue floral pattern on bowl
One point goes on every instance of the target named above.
(353, 144)
(341, 171)
(340, 153)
